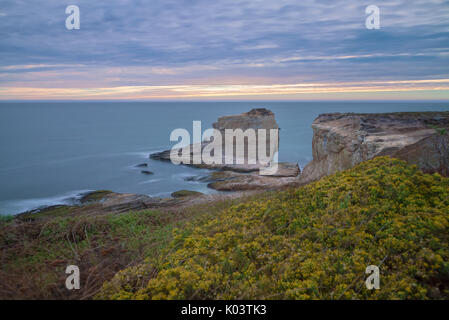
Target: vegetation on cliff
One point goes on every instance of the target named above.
(312, 242)
(36, 248)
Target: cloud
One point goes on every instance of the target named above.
(129, 43)
(259, 46)
(294, 90)
(37, 66)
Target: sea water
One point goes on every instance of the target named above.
(53, 152)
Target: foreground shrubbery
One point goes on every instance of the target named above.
(311, 243)
(35, 254)
(36, 248)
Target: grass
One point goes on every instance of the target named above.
(5, 219)
(95, 196)
(35, 252)
(185, 193)
(440, 131)
(49, 212)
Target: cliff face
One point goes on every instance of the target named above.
(341, 140)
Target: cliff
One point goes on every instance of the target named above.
(342, 140)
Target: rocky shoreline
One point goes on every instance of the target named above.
(340, 141)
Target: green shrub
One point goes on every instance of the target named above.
(312, 242)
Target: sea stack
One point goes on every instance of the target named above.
(259, 118)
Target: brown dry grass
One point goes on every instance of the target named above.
(34, 254)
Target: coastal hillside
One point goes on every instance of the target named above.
(312, 242)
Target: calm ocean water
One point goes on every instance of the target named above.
(52, 152)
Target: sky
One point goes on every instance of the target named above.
(224, 50)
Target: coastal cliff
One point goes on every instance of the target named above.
(342, 140)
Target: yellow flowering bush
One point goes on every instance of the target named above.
(312, 242)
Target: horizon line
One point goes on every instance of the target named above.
(222, 100)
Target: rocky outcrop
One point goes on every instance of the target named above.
(234, 181)
(246, 168)
(341, 140)
(259, 118)
(105, 202)
(246, 176)
(227, 180)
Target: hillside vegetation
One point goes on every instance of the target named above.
(312, 242)
(36, 248)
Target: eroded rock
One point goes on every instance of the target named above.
(235, 181)
(341, 140)
(259, 118)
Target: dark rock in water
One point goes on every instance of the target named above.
(162, 156)
(146, 172)
(186, 193)
(142, 165)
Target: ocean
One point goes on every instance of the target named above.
(53, 152)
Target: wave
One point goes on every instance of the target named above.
(150, 181)
(146, 154)
(22, 205)
(139, 154)
(160, 194)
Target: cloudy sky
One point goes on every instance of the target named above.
(217, 50)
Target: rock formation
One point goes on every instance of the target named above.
(244, 176)
(235, 181)
(260, 118)
(342, 140)
(107, 202)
